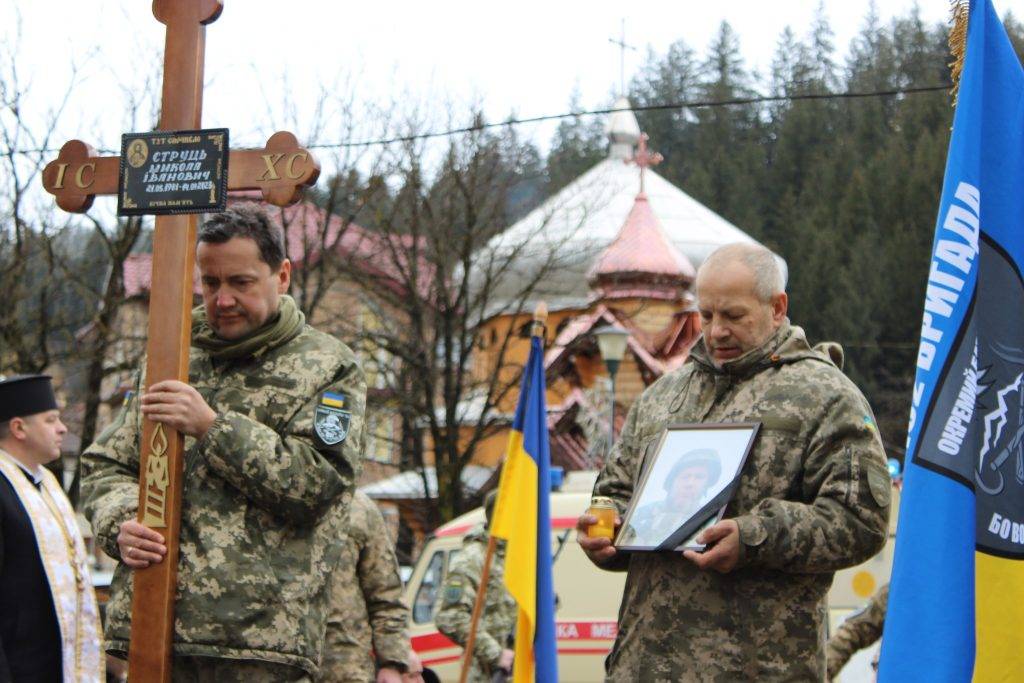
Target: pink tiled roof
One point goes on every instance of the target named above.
(309, 229)
(576, 327)
(138, 275)
(583, 324)
(642, 248)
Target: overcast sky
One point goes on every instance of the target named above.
(524, 57)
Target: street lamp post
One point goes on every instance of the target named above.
(611, 340)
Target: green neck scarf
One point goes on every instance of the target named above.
(279, 329)
(750, 362)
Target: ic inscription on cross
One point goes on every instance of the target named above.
(280, 171)
(644, 158)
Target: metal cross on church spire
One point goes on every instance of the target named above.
(644, 158)
(621, 42)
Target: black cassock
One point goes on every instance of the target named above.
(30, 645)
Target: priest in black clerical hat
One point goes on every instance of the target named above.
(49, 620)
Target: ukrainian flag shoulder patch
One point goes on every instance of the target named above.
(333, 400)
(331, 421)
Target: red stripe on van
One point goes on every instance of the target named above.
(556, 523)
(431, 641)
(565, 630)
(586, 630)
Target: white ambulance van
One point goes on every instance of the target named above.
(588, 598)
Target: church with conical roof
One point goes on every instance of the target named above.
(630, 243)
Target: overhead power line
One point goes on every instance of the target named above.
(693, 104)
(688, 104)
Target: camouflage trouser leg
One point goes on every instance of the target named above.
(217, 670)
(346, 669)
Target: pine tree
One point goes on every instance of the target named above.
(579, 143)
(673, 78)
(727, 150)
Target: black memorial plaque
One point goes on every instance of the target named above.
(166, 172)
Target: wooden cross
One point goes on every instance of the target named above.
(280, 171)
(643, 158)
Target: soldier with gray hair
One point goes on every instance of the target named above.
(813, 496)
(272, 416)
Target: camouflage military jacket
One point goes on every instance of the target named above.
(813, 497)
(367, 616)
(858, 632)
(458, 594)
(265, 499)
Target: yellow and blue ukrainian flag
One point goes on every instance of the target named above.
(956, 598)
(522, 516)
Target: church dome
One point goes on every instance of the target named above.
(641, 261)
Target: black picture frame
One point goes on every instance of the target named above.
(676, 464)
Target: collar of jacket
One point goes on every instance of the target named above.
(280, 329)
(787, 345)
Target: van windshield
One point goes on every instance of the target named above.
(426, 594)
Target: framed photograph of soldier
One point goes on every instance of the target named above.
(689, 476)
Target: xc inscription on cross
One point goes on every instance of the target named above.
(280, 171)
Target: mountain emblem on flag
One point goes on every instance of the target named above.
(975, 432)
(1004, 425)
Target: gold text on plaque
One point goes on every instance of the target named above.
(156, 481)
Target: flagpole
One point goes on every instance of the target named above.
(540, 319)
(478, 607)
(540, 316)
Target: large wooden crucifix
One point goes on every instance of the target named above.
(280, 171)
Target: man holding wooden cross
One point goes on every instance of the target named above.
(273, 419)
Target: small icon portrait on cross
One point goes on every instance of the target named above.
(138, 152)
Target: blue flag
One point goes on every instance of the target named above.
(522, 516)
(956, 599)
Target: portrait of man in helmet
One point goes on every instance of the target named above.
(685, 488)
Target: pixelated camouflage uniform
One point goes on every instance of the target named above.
(813, 498)
(498, 620)
(367, 615)
(263, 505)
(858, 632)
